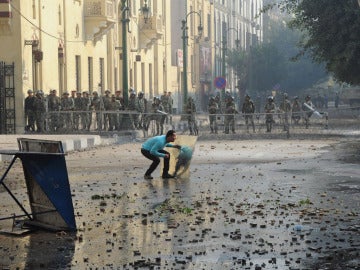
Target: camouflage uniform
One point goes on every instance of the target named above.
(120, 99)
(40, 110)
(29, 108)
(308, 109)
(296, 111)
(213, 110)
(285, 108)
(86, 114)
(165, 104)
(67, 107)
(134, 115)
(77, 110)
(248, 110)
(114, 106)
(54, 106)
(190, 110)
(230, 111)
(154, 115)
(142, 109)
(98, 106)
(106, 101)
(269, 110)
(170, 107)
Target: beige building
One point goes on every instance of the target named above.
(81, 44)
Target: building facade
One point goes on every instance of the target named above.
(98, 45)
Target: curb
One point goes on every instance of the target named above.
(69, 142)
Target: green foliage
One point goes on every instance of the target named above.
(271, 63)
(331, 34)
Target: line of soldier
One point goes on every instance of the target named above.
(73, 113)
(287, 110)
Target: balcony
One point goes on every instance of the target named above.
(5, 18)
(151, 30)
(99, 16)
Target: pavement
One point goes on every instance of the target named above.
(70, 142)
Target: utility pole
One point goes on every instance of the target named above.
(125, 20)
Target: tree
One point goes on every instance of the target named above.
(300, 74)
(331, 34)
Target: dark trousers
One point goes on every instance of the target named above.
(156, 161)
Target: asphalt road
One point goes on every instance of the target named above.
(251, 204)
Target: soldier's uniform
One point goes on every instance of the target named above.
(77, 110)
(114, 106)
(54, 106)
(98, 106)
(120, 99)
(269, 110)
(106, 101)
(308, 109)
(40, 110)
(142, 109)
(190, 110)
(296, 111)
(248, 110)
(29, 108)
(171, 104)
(213, 110)
(67, 107)
(230, 111)
(285, 108)
(134, 114)
(154, 115)
(165, 104)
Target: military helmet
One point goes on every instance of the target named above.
(307, 97)
(270, 98)
(141, 94)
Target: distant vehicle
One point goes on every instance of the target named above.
(351, 96)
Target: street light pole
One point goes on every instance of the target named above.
(224, 49)
(125, 20)
(185, 37)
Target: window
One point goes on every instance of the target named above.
(78, 72)
(101, 69)
(90, 74)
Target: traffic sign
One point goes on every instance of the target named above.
(220, 82)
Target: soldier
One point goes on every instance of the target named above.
(248, 109)
(165, 104)
(141, 108)
(190, 110)
(106, 101)
(296, 111)
(40, 110)
(114, 106)
(98, 106)
(230, 112)
(171, 104)
(67, 107)
(86, 114)
(29, 108)
(285, 108)
(154, 115)
(77, 110)
(269, 110)
(54, 106)
(308, 109)
(119, 98)
(213, 110)
(132, 107)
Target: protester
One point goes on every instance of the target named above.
(153, 150)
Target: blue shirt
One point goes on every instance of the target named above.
(155, 144)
